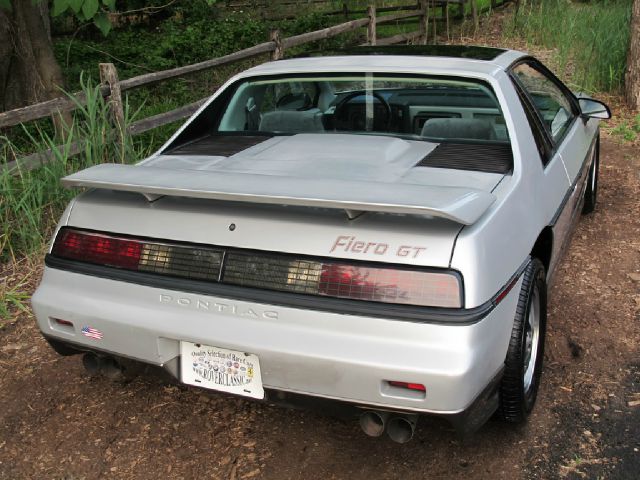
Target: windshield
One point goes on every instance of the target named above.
(440, 108)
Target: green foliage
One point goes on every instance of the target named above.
(591, 39)
(87, 10)
(32, 201)
(628, 130)
(189, 32)
(14, 298)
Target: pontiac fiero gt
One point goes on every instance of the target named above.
(375, 227)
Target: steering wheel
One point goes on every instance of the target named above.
(341, 105)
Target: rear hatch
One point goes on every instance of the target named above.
(361, 197)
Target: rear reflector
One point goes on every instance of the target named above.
(264, 270)
(66, 323)
(409, 386)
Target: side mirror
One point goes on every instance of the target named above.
(594, 108)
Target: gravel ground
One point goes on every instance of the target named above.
(55, 422)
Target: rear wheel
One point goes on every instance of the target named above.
(523, 365)
(591, 192)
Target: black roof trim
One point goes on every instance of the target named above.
(454, 51)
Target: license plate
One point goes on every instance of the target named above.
(221, 369)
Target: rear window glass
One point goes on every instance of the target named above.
(430, 108)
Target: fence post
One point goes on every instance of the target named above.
(435, 22)
(424, 21)
(278, 53)
(446, 13)
(476, 19)
(371, 27)
(109, 77)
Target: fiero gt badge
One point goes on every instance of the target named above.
(350, 244)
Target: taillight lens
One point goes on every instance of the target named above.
(98, 249)
(340, 280)
(198, 263)
(264, 270)
(390, 285)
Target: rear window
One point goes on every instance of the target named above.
(431, 108)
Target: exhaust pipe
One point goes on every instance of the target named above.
(91, 363)
(373, 423)
(107, 366)
(401, 428)
(111, 369)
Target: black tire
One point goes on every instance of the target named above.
(517, 394)
(591, 192)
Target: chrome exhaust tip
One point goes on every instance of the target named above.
(373, 423)
(401, 428)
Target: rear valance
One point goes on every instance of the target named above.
(460, 204)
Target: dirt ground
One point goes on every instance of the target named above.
(56, 422)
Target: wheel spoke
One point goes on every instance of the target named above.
(532, 338)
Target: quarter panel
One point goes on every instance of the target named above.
(489, 252)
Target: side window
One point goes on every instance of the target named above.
(537, 129)
(552, 104)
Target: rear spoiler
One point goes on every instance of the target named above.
(460, 204)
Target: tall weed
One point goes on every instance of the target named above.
(591, 39)
(32, 200)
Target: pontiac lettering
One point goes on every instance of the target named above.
(218, 307)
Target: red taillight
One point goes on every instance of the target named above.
(389, 285)
(98, 249)
(410, 386)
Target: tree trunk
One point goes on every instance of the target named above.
(29, 72)
(632, 78)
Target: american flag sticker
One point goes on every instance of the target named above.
(92, 333)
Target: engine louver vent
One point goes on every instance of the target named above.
(490, 158)
(219, 145)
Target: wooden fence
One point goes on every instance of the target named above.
(111, 87)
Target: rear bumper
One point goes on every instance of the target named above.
(326, 355)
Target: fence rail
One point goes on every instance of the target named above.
(111, 87)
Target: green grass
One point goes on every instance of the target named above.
(628, 130)
(14, 298)
(590, 39)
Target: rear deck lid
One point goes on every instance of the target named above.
(348, 172)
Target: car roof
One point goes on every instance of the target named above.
(447, 59)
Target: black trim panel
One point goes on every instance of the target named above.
(452, 51)
(480, 157)
(449, 316)
(218, 145)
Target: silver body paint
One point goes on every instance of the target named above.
(482, 225)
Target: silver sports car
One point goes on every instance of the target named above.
(376, 227)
